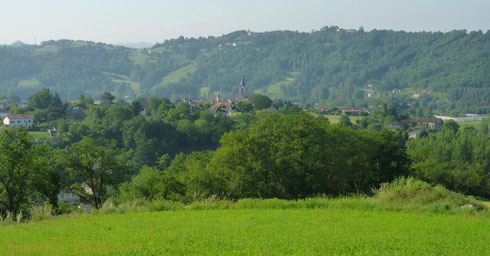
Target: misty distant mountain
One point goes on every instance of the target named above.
(137, 45)
(17, 44)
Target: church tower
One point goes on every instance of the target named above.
(241, 89)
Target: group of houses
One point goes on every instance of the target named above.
(228, 106)
(417, 125)
(220, 105)
(75, 111)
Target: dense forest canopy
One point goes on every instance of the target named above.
(348, 68)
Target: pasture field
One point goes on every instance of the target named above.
(320, 231)
(475, 124)
(39, 135)
(179, 74)
(334, 119)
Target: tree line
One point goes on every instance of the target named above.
(175, 152)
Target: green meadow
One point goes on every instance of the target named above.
(254, 227)
(179, 74)
(475, 124)
(39, 135)
(334, 119)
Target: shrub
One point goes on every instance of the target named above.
(151, 184)
(41, 212)
(64, 208)
(411, 194)
(165, 205)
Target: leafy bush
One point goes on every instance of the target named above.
(151, 184)
(41, 212)
(412, 194)
(64, 208)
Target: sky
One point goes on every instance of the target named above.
(126, 21)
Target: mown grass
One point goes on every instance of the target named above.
(47, 49)
(29, 83)
(252, 232)
(475, 124)
(204, 92)
(334, 119)
(139, 58)
(274, 90)
(179, 74)
(39, 135)
(118, 78)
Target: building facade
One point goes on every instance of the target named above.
(23, 120)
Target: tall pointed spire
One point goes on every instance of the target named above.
(242, 82)
(241, 88)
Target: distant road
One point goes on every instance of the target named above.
(468, 118)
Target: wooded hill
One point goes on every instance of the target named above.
(334, 66)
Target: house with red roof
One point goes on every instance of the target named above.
(22, 120)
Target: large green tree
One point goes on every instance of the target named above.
(47, 177)
(47, 105)
(295, 156)
(95, 167)
(17, 163)
(260, 101)
(106, 98)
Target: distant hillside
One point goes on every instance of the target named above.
(138, 45)
(335, 66)
(17, 44)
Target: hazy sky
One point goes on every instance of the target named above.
(121, 21)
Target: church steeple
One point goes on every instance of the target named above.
(241, 89)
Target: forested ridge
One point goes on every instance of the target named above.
(333, 66)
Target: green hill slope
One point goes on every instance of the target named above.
(451, 70)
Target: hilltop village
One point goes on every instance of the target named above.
(38, 117)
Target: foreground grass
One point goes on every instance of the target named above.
(318, 231)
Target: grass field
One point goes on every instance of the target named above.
(252, 232)
(29, 83)
(274, 90)
(333, 119)
(39, 135)
(179, 74)
(475, 124)
(139, 58)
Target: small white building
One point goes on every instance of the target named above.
(68, 197)
(23, 120)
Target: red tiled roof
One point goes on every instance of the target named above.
(22, 116)
(221, 105)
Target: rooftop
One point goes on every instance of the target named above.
(21, 116)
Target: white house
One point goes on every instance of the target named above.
(68, 197)
(23, 120)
